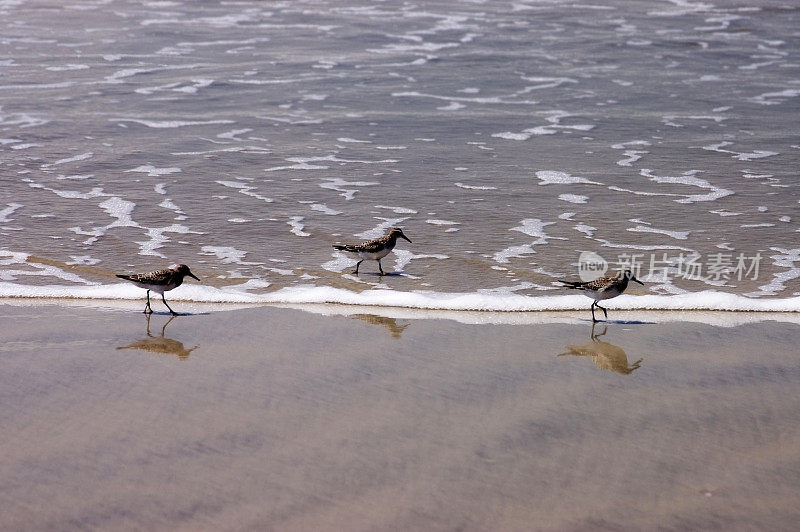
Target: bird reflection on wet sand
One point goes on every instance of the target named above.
(604, 355)
(390, 323)
(160, 344)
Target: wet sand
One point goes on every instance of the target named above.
(277, 418)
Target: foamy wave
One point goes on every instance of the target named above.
(170, 124)
(553, 177)
(490, 302)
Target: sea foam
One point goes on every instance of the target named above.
(429, 300)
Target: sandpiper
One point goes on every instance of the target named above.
(604, 288)
(374, 249)
(159, 281)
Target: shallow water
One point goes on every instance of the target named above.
(387, 421)
(244, 138)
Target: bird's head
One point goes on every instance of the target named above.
(628, 274)
(184, 270)
(397, 232)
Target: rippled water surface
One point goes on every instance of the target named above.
(244, 138)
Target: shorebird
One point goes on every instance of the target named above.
(159, 281)
(604, 288)
(374, 249)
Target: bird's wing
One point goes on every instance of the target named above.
(370, 246)
(600, 284)
(149, 277)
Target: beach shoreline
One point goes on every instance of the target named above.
(338, 417)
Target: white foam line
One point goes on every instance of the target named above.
(296, 223)
(441, 222)
(321, 207)
(157, 238)
(8, 211)
(545, 83)
(317, 27)
(96, 192)
(705, 300)
(177, 86)
(31, 86)
(716, 319)
(404, 257)
(273, 81)
(397, 210)
(573, 198)
(227, 255)
(669, 120)
(608, 244)
(222, 21)
(631, 155)
(232, 149)
(554, 118)
(679, 235)
(118, 77)
(81, 157)
(233, 134)
(338, 184)
(688, 178)
(245, 189)
(192, 44)
(554, 177)
(70, 66)
(742, 156)
(532, 227)
(169, 124)
(775, 98)
(303, 163)
(339, 262)
(474, 187)
(479, 100)
(8, 258)
(784, 259)
(382, 228)
(152, 171)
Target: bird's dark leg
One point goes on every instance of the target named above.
(357, 265)
(147, 306)
(165, 302)
(604, 310)
(594, 320)
(379, 267)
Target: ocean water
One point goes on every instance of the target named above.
(508, 139)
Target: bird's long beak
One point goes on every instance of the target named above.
(404, 236)
(634, 279)
(193, 276)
